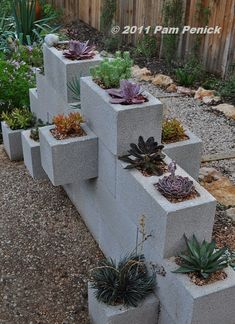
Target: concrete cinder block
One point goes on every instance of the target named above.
(164, 317)
(118, 125)
(35, 107)
(69, 160)
(145, 313)
(12, 142)
(186, 302)
(60, 70)
(187, 153)
(166, 222)
(32, 157)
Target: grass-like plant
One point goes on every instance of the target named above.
(67, 125)
(19, 118)
(202, 258)
(172, 131)
(109, 72)
(34, 132)
(124, 283)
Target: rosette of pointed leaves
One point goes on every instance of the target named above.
(79, 50)
(204, 258)
(175, 186)
(146, 156)
(124, 283)
(128, 94)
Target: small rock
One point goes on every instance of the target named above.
(51, 40)
(172, 88)
(209, 174)
(162, 80)
(231, 213)
(201, 93)
(146, 78)
(226, 109)
(138, 73)
(213, 100)
(185, 91)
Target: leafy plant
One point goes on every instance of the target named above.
(146, 156)
(172, 131)
(124, 283)
(19, 118)
(204, 258)
(6, 33)
(128, 94)
(79, 51)
(175, 186)
(74, 87)
(184, 78)
(112, 43)
(34, 132)
(192, 71)
(107, 15)
(67, 126)
(110, 72)
(147, 46)
(31, 55)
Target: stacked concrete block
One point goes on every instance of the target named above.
(32, 157)
(60, 71)
(69, 160)
(187, 153)
(117, 125)
(146, 312)
(12, 142)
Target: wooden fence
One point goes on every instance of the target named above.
(217, 51)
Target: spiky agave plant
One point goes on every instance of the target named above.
(79, 50)
(146, 156)
(175, 186)
(204, 258)
(128, 94)
(124, 283)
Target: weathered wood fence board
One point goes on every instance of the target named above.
(217, 50)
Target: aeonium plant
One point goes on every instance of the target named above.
(79, 50)
(175, 186)
(67, 126)
(129, 93)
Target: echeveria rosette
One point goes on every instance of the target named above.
(175, 186)
(129, 93)
(79, 50)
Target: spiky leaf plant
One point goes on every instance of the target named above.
(175, 186)
(19, 118)
(128, 94)
(204, 258)
(124, 283)
(79, 50)
(146, 156)
(172, 131)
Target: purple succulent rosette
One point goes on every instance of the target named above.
(175, 186)
(79, 51)
(128, 94)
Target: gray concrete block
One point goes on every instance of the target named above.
(145, 313)
(187, 303)
(119, 125)
(12, 142)
(32, 157)
(166, 222)
(164, 317)
(187, 154)
(35, 106)
(69, 160)
(60, 70)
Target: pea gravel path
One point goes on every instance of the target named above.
(46, 251)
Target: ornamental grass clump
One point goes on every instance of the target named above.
(202, 258)
(175, 187)
(67, 126)
(146, 156)
(173, 131)
(19, 118)
(128, 94)
(110, 72)
(79, 50)
(125, 283)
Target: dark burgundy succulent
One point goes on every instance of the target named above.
(128, 94)
(175, 186)
(79, 51)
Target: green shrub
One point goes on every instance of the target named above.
(147, 46)
(31, 55)
(191, 71)
(112, 43)
(126, 283)
(110, 72)
(19, 118)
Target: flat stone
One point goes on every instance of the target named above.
(162, 80)
(226, 109)
(209, 174)
(231, 213)
(211, 100)
(138, 73)
(172, 88)
(201, 93)
(185, 91)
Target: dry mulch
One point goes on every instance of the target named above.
(46, 251)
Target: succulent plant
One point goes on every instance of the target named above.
(129, 93)
(110, 71)
(79, 51)
(124, 283)
(175, 186)
(34, 132)
(147, 156)
(172, 131)
(204, 258)
(19, 118)
(67, 126)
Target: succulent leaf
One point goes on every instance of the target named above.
(79, 50)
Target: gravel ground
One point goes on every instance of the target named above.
(216, 131)
(46, 251)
